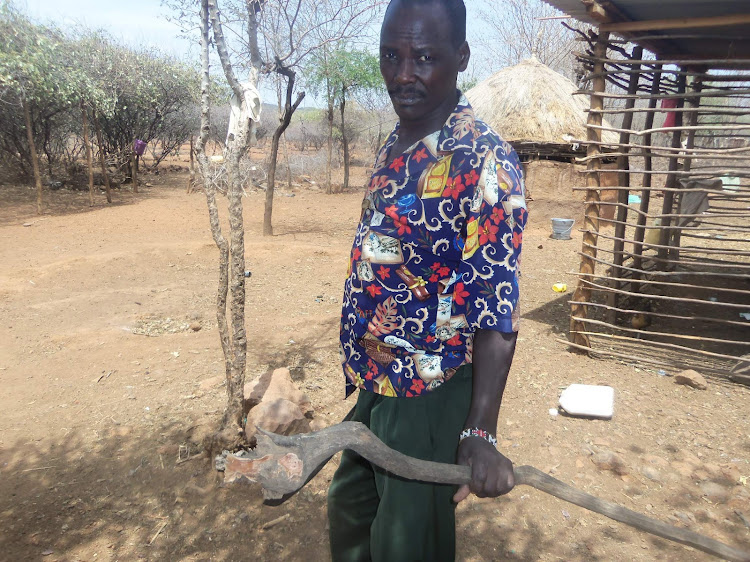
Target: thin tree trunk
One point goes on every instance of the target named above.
(134, 170)
(105, 175)
(191, 178)
(329, 189)
(344, 140)
(34, 157)
(89, 159)
(238, 141)
(286, 117)
(288, 165)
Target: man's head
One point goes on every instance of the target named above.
(422, 49)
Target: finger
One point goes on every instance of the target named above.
(478, 484)
(462, 493)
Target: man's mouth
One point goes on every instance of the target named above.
(409, 97)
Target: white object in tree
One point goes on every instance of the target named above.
(243, 112)
(586, 400)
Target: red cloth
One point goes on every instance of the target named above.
(669, 103)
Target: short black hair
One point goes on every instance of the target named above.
(456, 16)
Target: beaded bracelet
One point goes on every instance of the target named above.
(476, 432)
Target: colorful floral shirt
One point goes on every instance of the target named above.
(435, 257)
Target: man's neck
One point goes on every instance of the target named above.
(413, 131)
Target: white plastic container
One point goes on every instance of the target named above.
(589, 401)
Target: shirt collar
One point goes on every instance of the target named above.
(459, 130)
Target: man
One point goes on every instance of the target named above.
(430, 311)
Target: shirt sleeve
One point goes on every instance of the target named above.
(486, 289)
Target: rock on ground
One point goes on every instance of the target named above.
(691, 378)
(273, 385)
(279, 416)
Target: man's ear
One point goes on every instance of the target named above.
(465, 54)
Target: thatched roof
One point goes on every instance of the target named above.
(531, 103)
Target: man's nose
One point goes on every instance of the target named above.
(405, 71)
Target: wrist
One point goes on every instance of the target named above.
(478, 433)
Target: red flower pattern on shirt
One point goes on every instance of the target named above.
(397, 164)
(420, 155)
(471, 178)
(488, 232)
(459, 294)
(454, 187)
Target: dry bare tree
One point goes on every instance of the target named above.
(518, 29)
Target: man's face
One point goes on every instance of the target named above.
(419, 62)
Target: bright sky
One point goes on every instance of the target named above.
(136, 22)
(144, 23)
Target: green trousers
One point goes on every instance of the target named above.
(374, 515)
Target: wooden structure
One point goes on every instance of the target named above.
(666, 281)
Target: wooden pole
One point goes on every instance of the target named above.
(591, 219)
(89, 158)
(692, 119)
(640, 228)
(34, 157)
(623, 162)
(665, 238)
(105, 175)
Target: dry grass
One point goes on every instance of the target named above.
(533, 103)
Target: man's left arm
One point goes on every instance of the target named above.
(491, 472)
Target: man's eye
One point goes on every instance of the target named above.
(388, 56)
(425, 58)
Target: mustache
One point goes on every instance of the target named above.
(400, 91)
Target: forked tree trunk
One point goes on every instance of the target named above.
(286, 117)
(105, 174)
(89, 159)
(34, 157)
(232, 255)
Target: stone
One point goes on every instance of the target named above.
(195, 326)
(691, 378)
(607, 460)
(714, 492)
(279, 416)
(274, 385)
(209, 383)
(651, 473)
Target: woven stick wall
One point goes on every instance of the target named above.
(666, 282)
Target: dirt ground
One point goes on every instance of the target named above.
(101, 423)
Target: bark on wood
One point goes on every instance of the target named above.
(234, 343)
(89, 159)
(34, 156)
(591, 219)
(283, 464)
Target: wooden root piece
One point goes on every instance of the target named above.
(283, 464)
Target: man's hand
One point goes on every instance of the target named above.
(491, 472)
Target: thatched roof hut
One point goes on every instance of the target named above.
(533, 108)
